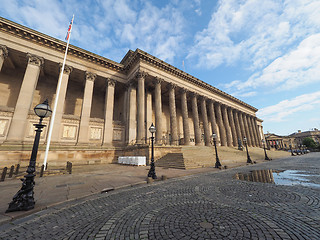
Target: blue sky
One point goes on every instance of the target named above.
(266, 53)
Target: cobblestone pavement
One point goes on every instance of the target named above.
(211, 205)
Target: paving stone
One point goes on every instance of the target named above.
(211, 205)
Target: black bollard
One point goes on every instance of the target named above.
(4, 173)
(11, 171)
(17, 169)
(41, 170)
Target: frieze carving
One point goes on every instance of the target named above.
(117, 134)
(73, 121)
(3, 126)
(6, 114)
(3, 51)
(110, 82)
(67, 69)
(95, 133)
(69, 132)
(35, 60)
(90, 76)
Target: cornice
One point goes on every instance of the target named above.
(55, 44)
(143, 56)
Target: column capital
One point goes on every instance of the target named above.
(141, 74)
(184, 90)
(90, 76)
(110, 82)
(171, 86)
(67, 69)
(193, 94)
(35, 60)
(3, 51)
(132, 83)
(158, 80)
(203, 98)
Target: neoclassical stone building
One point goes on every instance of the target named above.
(105, 108)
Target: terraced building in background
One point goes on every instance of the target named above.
(105, 108)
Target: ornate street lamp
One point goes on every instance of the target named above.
(218, 164)
(23, 200)
(248, 156)
(265, 152)
(152, 171)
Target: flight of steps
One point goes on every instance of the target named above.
(189, 157)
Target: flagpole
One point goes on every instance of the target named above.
(56, 100)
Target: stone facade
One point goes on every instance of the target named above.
(107, 106)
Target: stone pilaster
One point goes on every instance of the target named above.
(195, 115)
(213, 121)
(205, 122)
(19, 120)
(173, 115)
(131, 131)
(86, 108)
(148, 113)
(237, 124)
(141, 108)
(222, 130)
(185, 117)
(60, 106)
(256, 131)
(3, 54)
(246, 128)
(243, 131)
(108, 112)
(158, 110)
(226, 125)
(253, 141)
(233, 127)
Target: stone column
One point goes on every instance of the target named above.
(173, 115)
(148, 114)
(86, 108)
(108, 112)
(60, 106)
(255, 137)
(233, 127)
(158, 110)
(196, 124)
(131, 131)
(222, 130)
(256, 131)
(226, 125)
(243, 132)
(253, 143)
(205, 121)
(213, 120)
(23, 105)
(237, 124)
(141, 108)
(246, 128)
(3, 54)
(185, 117)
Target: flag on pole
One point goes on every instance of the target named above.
(69, 30)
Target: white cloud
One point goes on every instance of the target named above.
(282, 110)
(299, 67)
(254, 32)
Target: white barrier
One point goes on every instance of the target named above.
(133, 160)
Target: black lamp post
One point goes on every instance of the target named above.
(265, 152)
(152, 171)
(248, 156)
(218, 164)
(23, 200)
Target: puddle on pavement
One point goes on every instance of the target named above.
(287, 177)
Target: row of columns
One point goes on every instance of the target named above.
(19, 120)
(229, 124)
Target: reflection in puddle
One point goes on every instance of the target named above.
(288, 177)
